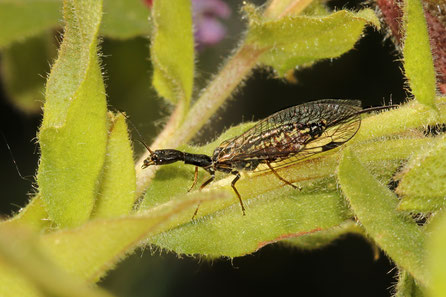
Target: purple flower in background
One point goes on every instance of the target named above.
(208, 28)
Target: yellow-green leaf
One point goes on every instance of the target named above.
(117, 190)
(33, 216)
(26, 269)
(407, 286)
(323, 238)
(436, 257)
(21, 19)
(422, 183)
(293, 41)
(418, 62)
(270, 217)
(172, 50)
(375, 205)
(92, 249)
(73, 135)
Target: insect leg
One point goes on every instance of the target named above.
(237, 177)
(195, 179)
(279, 177)
(201, 187)
(208, 181)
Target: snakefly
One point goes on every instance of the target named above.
(285, 137)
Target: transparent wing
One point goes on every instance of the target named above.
(281, 136)
(331, 138)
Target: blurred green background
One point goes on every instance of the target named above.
(371, 73)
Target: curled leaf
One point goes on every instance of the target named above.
(172, 50)
(73, 134)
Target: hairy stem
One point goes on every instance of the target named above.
(212, 98)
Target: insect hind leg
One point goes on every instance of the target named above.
(195, 179)
(201, 187)
(237, 177)
(279, 177)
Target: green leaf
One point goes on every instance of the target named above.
(323, 238)
(436, 257)
(422, 182)
(407, 286)
(270, 217)
(172, 50)
(117, 190)
(26, 18)
(410, 115)
(418, 62)
(125, 19)
(374, 205)
(26, 270)
(33, 216)
(24, 67)
(92, 249)
(294, 41)
(73, 135)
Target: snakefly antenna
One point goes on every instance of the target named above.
(146, 146)
(141, 139)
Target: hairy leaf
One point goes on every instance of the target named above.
(436, 257)
(418, 63)
(26, 270)
(271, 217)
(117, 190)
(323, 238)
(172, 50)
(422, 183)
(293, 41)
(375, 207)
(92, 249)
(407, 286)
(73, 135)
(33, 216)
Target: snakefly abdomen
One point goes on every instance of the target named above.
(285, 137)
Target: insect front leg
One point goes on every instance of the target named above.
(237, 177)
